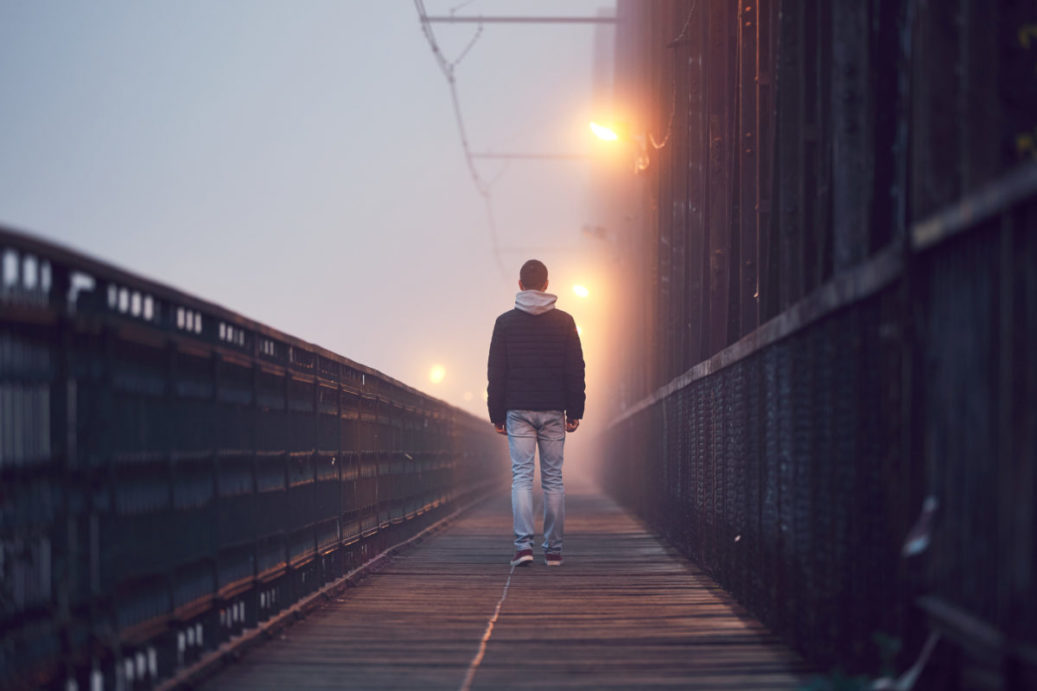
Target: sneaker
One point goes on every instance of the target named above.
(553, 558)
(522, 556)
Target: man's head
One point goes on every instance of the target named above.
(533, 275)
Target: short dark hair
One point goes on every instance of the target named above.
(533, 275)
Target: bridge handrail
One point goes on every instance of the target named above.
(175, 473)
(792, 464)
(871, 276)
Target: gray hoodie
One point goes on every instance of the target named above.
(535, 301)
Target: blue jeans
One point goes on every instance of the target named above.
(526, 430)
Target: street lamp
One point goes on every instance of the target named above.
(603, 132)
(621, 133)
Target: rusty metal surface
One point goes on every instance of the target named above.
(780, 467)
(173, 473)
(885, 356)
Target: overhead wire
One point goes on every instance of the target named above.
(460, 6)
(482, 186)
(501, 172)
(471, 44)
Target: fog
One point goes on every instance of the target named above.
(300, 163)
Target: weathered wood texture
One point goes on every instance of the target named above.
(622, 612)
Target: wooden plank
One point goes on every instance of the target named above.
(622, 612)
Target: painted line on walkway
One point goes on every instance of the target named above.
(466, 685)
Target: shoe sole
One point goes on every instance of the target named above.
(521, 560)
(553, 563)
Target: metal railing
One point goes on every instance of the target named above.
(791, 464)
(172, 474)
(830, 264)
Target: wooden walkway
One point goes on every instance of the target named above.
(623, 612)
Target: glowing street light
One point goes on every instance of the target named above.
(610, 134)
(581, 291)
(602, 132)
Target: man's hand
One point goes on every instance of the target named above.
(571, 425)
(500, 429)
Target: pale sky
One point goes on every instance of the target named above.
(299, 163)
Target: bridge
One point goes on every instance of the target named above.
(182, 485)
(819, 462)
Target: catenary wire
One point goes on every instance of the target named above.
(481, 185)
(460, 6)
(471, 44)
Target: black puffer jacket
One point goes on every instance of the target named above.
(536, 363)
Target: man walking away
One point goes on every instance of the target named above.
(536, 394)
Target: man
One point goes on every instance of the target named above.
(535, 395)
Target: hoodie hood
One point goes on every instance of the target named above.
(535, 301)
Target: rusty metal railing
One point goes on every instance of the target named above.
(829, 262)
(783, 465)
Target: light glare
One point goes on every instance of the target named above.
(581, 291)
(602, 132)
(437, 374)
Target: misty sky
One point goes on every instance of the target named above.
(299, 163)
